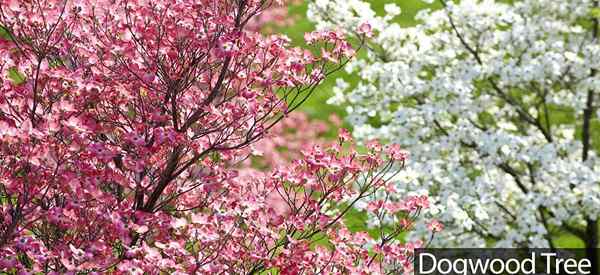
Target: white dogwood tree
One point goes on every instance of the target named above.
(497, 103)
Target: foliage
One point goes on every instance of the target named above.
(496, 101)
(122, 126)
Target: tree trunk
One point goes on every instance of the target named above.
(591, 245)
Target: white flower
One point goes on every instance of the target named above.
(391, 9)
(474, 116)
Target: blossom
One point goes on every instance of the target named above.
(476, 92)
(365, 28)
(435, 226)
(396, 153)
(122, 142)
(344, 135)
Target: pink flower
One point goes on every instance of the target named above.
(101, 152)
(395, 153)
(435, 226)
(135, 139)
(141, 229)
(148, 77)
(226, 49)
(374, 145)
(375, 206)
(366, 29)
(344, 135)
(309, 38)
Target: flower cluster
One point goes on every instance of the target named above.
(497, 104)
(121, 127)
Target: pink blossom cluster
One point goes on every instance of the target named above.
(121, 126)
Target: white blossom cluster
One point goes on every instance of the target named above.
(489, 100)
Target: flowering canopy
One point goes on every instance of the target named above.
(122, 122)
(496, 103)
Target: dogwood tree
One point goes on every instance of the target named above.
(122, 124)
(497, 103)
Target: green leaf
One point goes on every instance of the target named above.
(15, 76)
(595, 12)
(4, 33)
(131, 111)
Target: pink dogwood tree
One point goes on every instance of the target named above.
(122, 124)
